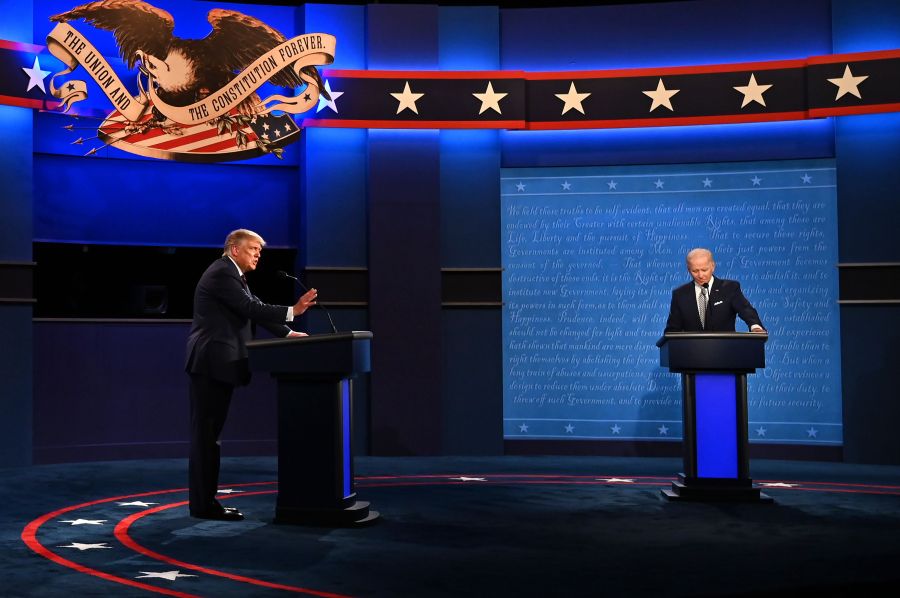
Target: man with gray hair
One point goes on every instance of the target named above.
(707, 303)
(217, 361)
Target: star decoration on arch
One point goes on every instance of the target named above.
(661, 96)
(572, 100)
(36, 76)
(490, 100)
(407, 99)
(753, 92)
(323, 103)
(847, 83)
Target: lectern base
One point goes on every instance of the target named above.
(714, 490)
(357, 514)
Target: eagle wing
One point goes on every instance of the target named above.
(237, 40)
(136, 25)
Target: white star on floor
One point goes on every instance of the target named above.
(779, 485)
(566, 186)
(520, 186)
(760, 431)
(407, 99)
(616, 480)
(170, 575)
(569, 428)
(812, 433)
(612, 185)
(36, 75)
(753, 92)
(615, 429)
(523, 428)
(659, 183)
(84, 521)
(756, 181)
(663, 430)
(323, 103)
(490, 100)
(661, 96)
(465, 479)
(806, 179)
(572, 99)
(228, 491)
(707, 183)
(848, 84)
(86, 546)
(136, 503)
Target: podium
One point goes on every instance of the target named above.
(714, 368)
(314, 375)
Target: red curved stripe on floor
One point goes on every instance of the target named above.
(29, 536)
(121, 533)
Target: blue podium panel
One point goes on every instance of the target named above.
(716, 425)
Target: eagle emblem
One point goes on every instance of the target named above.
(197, 99)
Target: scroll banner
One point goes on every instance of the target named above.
(73, 49)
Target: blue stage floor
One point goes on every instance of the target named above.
(499, 526)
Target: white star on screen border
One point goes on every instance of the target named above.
(567, 186)
(407, 99)
(659, 183)
(760, 431)
(812, 433)
(663, 430)
(523, 428)
(806, 179)
(490, 100)
(520, 186)
(661, 96)
(323, 103)
(847, 83)
(570, 428)
(753, 92)
(707, 183)
(36, 76)
(615, 429)
(756, 181)
(572, 99)
(612, 185)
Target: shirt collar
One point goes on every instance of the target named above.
(697, 287)
(240, 272)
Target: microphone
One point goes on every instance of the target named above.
(283, 274)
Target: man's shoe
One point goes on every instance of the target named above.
(225, 514)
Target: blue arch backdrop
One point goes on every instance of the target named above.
(399, 207)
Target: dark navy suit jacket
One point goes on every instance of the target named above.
(223, 312)
(726, 302)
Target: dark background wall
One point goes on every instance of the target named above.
(400, 229)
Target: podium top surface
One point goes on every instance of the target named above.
(311, 339)
(749, 336)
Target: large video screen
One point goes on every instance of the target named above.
(590, 257)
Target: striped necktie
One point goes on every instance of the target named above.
(702, 302)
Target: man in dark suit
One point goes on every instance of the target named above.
(707, 303)
(224, 308)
